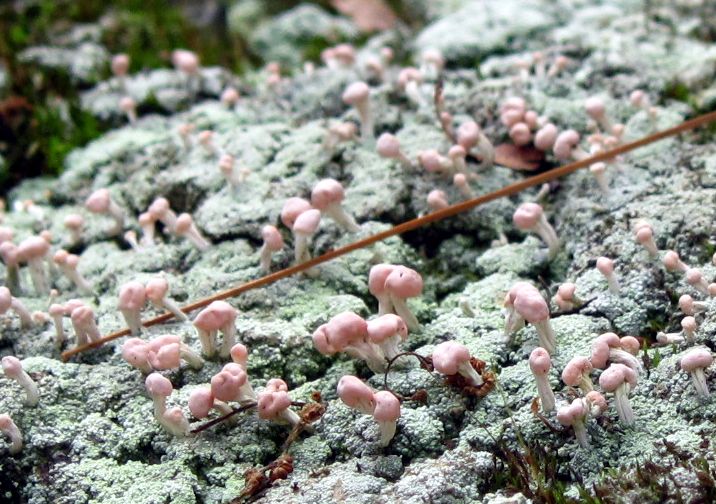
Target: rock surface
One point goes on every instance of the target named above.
(93, 438)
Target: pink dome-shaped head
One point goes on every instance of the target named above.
(448, 356)
(689, 325)
(165, 339)
(637, 98)
(565, 143)
(468, 134)
(98, 201)
(166, 357)
(292, 208)
(12, 367)
(630, 344)
(356, 394)
(120, 64)
(5, 299)
(514, 103)
(201, 401)
(321, 341)
(697, 358)
(157, 289)
(595, 107)
(132, 296)
(457, 152)
(229, 96)
(127, 104)
(408, 75)
(385, 327)
(60, 257)
(225, 385)
(272, 238)
(377, 277)
(437, 199)
(566, 291)
(159, 208)
(605, 266)
(345, 53)
(216, 316)
(615, 376)
(672, 261)
(239, 354)
(34, 247)
(226, 164)
(387, 407)
(404, 282)
(135, 352)
(568, 415)
(388, 146)
(327, 192)
(356, 93)
(345, 329)
(146, 219)
(532, 307)
(158, 386)
(527, 216)
(597, 401)
(694, 276)
(183, 223)
(575, 369)
(307, 222)
(520, 134)
(511, 117)
(185, 61)
(9, 253)
(431, 160)
(546, 136)
(540, 363)
(644, 234)
(276, 385)
(73, 221)
(686, 304)
(272, 404)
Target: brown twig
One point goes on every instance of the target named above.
(222, 418)
(410, 225)
(425, 363)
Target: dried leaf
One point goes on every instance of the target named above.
(368, 15)
(518, 158)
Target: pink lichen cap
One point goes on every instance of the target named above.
(540, 362)
(239, 354)
(565, 143)
(527, 216)
(448, 356)
(226, 384)
(356, 93)
(520, 134)
(695, 359)
(386, 413)
(272, 238)
(576, 373)
(292, 208)
(615, 376)
(120, 64)
(546, 136)
(468, 134)
(386, 326)
(356, 394)
(404, 282)
(98, 201)
(201, 401)
(158, 386)
(388, 146)
(673, 262)
(307, 222)
(437, 200)
(327, 192)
